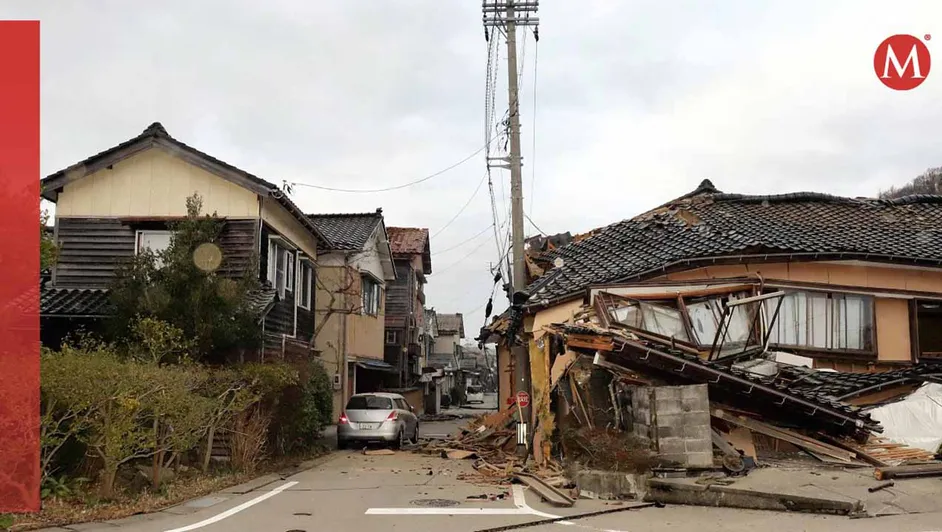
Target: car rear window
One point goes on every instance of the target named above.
(369, 402)
(474, 390)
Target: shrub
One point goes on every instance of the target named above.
(305, 410)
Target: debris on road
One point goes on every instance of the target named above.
(879, 487)
(378, 452)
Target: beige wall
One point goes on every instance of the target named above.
(892, 316)
(845, 274)
(153, 183)
(279, 218)
(365, 334)
(446, 343)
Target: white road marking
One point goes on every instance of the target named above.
(520, 508)
(232, 511)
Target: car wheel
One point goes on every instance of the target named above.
(341, 444)
(415, 438)
(400, 439)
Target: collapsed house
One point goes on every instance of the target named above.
(788, 316)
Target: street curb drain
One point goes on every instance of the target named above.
(434, 503)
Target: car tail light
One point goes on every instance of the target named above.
(343, 419)
(394, 415)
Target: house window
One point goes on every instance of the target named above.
(155, 241)
(280, 264)
(392, 337)
(305, 284)
(371, 295)
(289, 271)
(823, 321)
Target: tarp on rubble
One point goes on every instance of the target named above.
(915, 421)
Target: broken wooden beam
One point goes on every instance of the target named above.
(909, 471)
(791, 437)
(547, 492)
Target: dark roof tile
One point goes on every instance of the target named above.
(348, 231)
(707, 224)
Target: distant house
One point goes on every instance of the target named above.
(118, 202)
(862, 278)
(405, 302)
(450, 334)
(353, 274)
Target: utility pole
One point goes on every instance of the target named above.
(507, 15)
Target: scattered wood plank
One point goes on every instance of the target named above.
(560, 366)
(378, 452)
(786, 435)
(458, 454)
(741, 438)
(547, 492)
(856, 449)
(909, 471)
(720, 442)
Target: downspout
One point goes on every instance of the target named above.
(259, 244)
(345, 386)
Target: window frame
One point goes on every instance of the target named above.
(279, 250)
(370, 300)
(305, 285)
(830, 329)
(395, 337)
(290, 270)
(138, 236)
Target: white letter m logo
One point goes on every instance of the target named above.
(900, 70)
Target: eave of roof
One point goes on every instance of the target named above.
(156, 135)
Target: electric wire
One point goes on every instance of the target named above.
(463, 242)
(462, 259)
(461, 210)
(542, 232)
(397, 187)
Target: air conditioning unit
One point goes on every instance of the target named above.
(338, 381)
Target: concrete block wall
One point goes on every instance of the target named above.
(675, 420)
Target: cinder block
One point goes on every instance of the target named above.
(694, 391)
(672, 445)
(679, 458)
(699, 446)
(668, 392)
(697, 432)
(667, 407)
(700, 459)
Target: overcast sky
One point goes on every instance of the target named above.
(637, 102)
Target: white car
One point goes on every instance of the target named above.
(475, 395)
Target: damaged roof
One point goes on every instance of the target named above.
(774, 398)
(845, 386)
(348, 231)
(708, 224)
(411, 241)
(451, 324)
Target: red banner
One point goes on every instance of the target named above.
(19, 266)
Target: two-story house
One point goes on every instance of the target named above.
(118, 202)
(352, 277)
(405, 301)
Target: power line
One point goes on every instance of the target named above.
(463, 242)
(397, 187)
(542, 232)
(457, 214)
(536, 61)
(462, 259)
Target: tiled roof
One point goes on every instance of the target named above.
(411, 241)
(74, 302)
(408, 240)
(348, 231)
(96, 303)
(707, 223)
(451, 324)
(837, 385)
(156, 132)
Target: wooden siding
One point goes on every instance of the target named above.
(92, 249)
(399, 300)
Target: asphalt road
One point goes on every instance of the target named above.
(350, 491)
